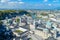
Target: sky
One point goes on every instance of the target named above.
(29, 4)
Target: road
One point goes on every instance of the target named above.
(35, 37)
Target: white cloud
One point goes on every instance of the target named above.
(4, 1)
(49, 4)
(15, 2)
(45, 0)
(9, 0)
(55, 0)
(10, 4)
(21, 2)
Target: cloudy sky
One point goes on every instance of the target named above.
(30, 4)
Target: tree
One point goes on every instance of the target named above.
(4, 33)
(17, 20)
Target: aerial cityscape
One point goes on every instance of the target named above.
(29, 19)
(30, 25)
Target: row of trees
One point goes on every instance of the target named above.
(12, 13)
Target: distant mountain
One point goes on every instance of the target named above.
(57, 8)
